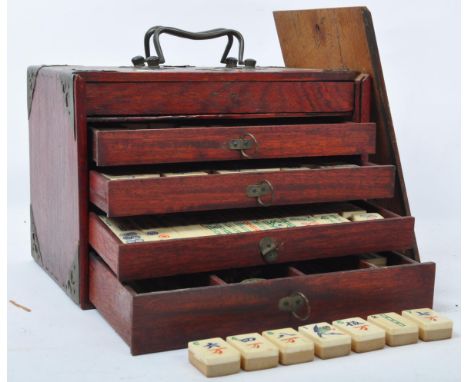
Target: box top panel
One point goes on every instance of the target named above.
(193, 73)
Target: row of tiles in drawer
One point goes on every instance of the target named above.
(281, 234)
(165, 313)
(132, 146)
(130, 194)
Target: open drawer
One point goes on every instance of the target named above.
(126, 194)
(162, 144)
(163, 314)
(200, 242)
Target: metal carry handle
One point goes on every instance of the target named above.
(156, 31)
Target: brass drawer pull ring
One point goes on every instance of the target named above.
(259, 190)
(294, 303)
(246, 142)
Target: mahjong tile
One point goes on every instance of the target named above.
(329, 341)
(256, 351)
(293, 346)
(364, 335)
(214, 357)
(432, 326)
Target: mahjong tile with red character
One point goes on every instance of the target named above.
(214, 357)
(328, 340)
(364, 335)
(432, 326)
(256, 351)
(293, 346)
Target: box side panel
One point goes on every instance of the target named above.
(55, 235)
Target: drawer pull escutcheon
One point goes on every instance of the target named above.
(294, 303)
(246, 142)
(261, 189)
(269, 249)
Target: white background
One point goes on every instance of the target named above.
(419, 47)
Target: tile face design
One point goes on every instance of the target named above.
(331, 218)
(432, 326)
(156, 228)
(135, 176)
(260, 170)
(372, 258)
(398, 330)
(350, 212)
(256, 351)
(366, 216)
(364, 335)
(190, 173)
(293, 347)
(328, 340)
(227, 171)
(214, 357)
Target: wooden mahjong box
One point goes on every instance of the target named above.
(187, 202)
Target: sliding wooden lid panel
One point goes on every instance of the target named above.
(112, 147)
(129, 197)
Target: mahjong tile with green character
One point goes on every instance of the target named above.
(432, 326)
(256, 351)
(329, 341)
(293, 346)
(364, 335)
(398, 330)
(366, 216)
(214, 357)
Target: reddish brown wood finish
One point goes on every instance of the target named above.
(83, 186)
(182, 256)
(130, 197)
(168, 320)
(198, 74)
(55, 167)
(114, 300)
(185, 98)
(362, 98)
(196, 144)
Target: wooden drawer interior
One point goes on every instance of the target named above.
(213, 186)
(130, 257)
(166, 313)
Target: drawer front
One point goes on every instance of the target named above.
(168, 320)
(181, 256)
(220, 98)
(112, 147)
(129, 197)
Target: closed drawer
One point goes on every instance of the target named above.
(209, 96)
(124, 146)
(129, 196)
(215, 250)
(163, 314)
